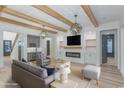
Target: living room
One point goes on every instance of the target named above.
(53, 38)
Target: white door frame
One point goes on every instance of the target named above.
(1, 50)
(106, 32)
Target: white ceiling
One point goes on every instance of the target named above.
(103, 14)
(108, 13)
(68, 11)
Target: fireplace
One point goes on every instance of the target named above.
(73, 54)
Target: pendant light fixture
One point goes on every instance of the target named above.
(76, 27)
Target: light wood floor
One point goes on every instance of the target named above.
(111, 61)
(5, 75)
(110, 76)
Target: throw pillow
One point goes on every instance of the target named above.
(50, 70)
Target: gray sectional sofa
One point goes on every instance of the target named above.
(30, 76)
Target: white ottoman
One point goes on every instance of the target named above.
(91, 72)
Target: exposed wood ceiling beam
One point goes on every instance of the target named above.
(2, 7)
(27, 17)
(53, 13)
(90, 14)
(7, 20)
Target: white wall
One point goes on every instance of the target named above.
(59, 50)
(90, 33)
(24, 46)
(122, 47)
(90, 52)
(122, 51)
(1, 49)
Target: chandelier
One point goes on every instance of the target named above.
(76, 27)
(43, 33)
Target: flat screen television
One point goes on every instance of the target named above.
(74, 40)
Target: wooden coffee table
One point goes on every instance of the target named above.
(69, 84)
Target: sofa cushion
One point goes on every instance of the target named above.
(41, 72)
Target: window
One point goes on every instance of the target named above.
(109, 45)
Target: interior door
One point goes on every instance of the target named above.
(104, 49)
(7, 47)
